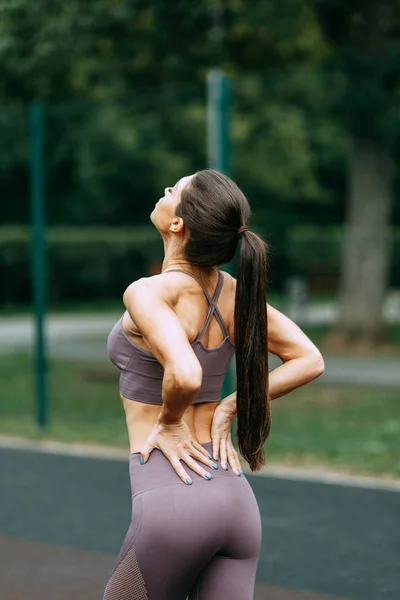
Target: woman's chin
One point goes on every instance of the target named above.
(153, 219)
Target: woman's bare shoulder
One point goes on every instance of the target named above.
(229, 279)
(165, 286)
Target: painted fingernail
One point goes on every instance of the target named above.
(214, 466)
(225, 467)
(240, 471)
(141, 460)
(189, 481)
(217, 457)
(208, 476)
(209, 456)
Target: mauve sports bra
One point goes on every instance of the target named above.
(141, 374)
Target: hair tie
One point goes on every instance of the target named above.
(242, 229)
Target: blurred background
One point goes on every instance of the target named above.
(103, 104)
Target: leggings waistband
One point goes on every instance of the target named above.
(158, 472)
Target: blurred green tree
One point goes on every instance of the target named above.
(124, 83)
(364, 63)
(125, 88)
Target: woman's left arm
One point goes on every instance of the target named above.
(301, 360)
(301, 363)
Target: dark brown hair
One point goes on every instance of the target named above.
(213, 209)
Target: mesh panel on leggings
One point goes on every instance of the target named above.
(126, 582)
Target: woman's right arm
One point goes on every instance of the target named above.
(147, 302)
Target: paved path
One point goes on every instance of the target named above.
(380, 371)
(84, 338)
(62, 520)
(19, 330)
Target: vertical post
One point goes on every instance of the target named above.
(218, 121)
(218, 150)
(36, 126)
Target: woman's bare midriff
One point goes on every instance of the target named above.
(141, 418)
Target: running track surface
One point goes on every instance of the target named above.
(63, 518)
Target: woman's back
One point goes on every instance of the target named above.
(173, 347)
(205, 309)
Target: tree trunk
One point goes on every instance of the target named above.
(365, 250)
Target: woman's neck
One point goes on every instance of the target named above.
(175, 259)
(173, 256)
(182, 264)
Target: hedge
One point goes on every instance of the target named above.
(316, 252)
(97, 263)
(82, 263)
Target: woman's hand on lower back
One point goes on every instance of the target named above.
(222, 445)
(176, 442)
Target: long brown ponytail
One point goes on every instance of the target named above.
(214, 209)
(251, 348)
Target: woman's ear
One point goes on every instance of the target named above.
(176, 225)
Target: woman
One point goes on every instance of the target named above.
(199, 537)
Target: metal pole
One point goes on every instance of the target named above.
(36, 122)
(218, 121)
(218, 151)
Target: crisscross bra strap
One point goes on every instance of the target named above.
(213, 309)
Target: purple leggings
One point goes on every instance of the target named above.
(199, 541)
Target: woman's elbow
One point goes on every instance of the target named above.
(316, 364)
(189, 378)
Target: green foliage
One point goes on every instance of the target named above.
(99, 262)
(124, 88)
(96, 263)
(282, 137)
(316, 252)
(364, 63)
(140, 120)
(136, 237)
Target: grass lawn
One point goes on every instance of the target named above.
(352, 429)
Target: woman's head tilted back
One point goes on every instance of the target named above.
(208, 211)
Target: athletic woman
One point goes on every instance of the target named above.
(195, 530)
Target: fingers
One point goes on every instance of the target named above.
(224, 464)
(215, 447)
(180, 471)
(196, 467)
(204, 459)
(203, 451)
(233, 458)
(228, 454)
(145, 453)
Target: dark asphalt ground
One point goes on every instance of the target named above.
(63, 518)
